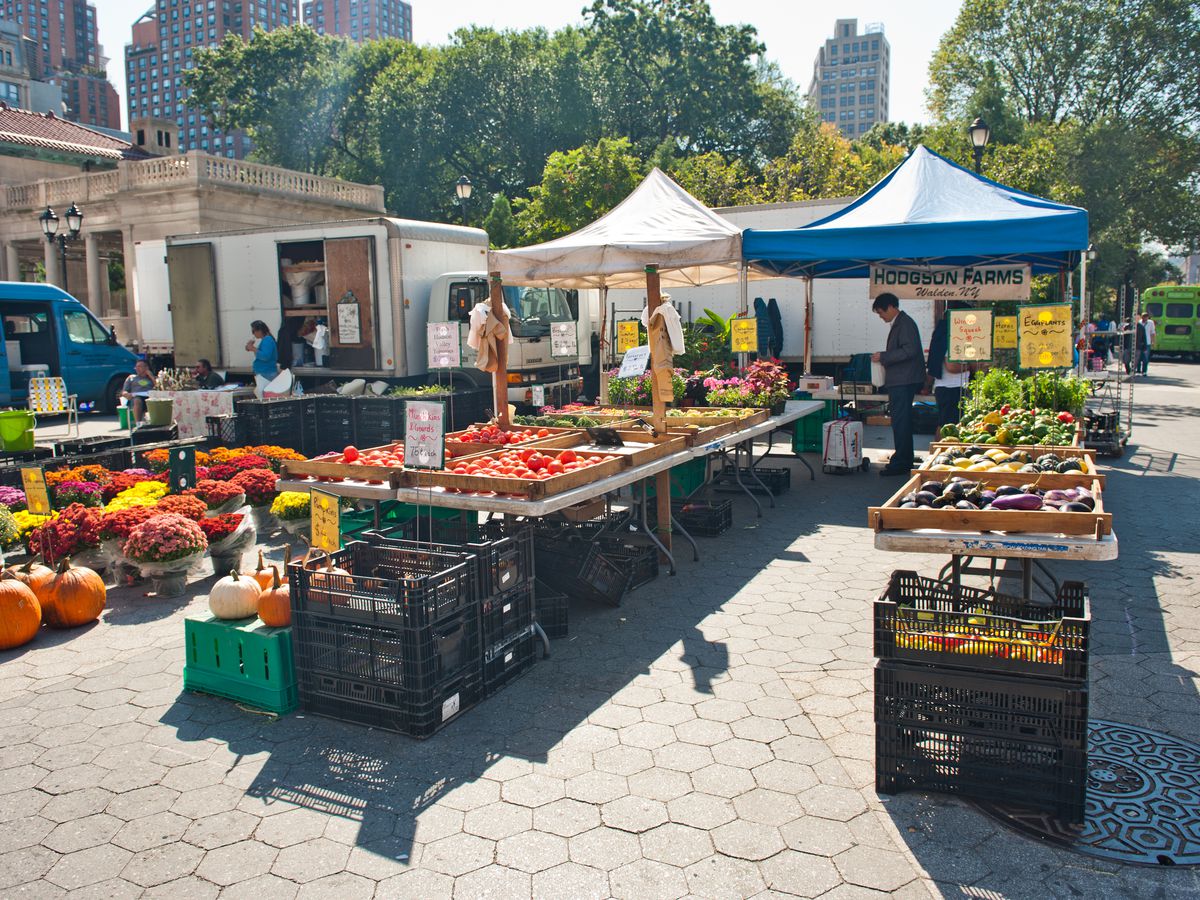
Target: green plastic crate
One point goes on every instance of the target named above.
(806, 434)
(686, 478)
(390, 513)
(242, 660)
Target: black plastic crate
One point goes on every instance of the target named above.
(378, 420)
(155, 434)
(581, 569)
(11, 463)
(640, 559)
(504, 552)
(551, 610)
(504, 616)
(222, 430)
(84, 446)
(278, 422)
(703, 519)
(418, 660)
(926, 621)
(777, 480)
(389, 708)
(113, 459)
(387, 585)
(335, 421)
(505, 661)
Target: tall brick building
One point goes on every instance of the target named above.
(360, 20)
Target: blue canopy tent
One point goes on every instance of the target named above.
(928, 211)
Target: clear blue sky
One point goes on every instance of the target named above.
(792, 32)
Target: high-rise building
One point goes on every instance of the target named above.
(850, 78)
(69, 55)
(161, 50)
(360, 20)
(21, 85)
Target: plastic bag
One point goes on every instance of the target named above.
(240, 540)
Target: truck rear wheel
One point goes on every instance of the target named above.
(112, 395)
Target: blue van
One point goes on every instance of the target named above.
(49, 332)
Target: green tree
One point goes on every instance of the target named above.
(821, 163)
(577, 187)
(500, 224)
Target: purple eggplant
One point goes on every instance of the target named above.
(1018, 501)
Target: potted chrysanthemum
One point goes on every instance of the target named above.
(164, 547)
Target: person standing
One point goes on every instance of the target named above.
(1146, 335)
(266, 355)
(949, 378)
(904, 373)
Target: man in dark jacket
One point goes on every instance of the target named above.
(904, 374)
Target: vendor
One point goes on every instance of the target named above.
(949, 378)
(904, 374)
(266, 355)
(206, 378)
(136, 387)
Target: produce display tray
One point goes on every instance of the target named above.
(640, 448)
(532, 488)
(890, 517)
(318, 468)
(692, 415)
(1046, 480)
(1059, 449)
(558, 437)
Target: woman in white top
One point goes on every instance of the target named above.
(949, 378)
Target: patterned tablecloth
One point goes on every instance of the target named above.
(192, 407)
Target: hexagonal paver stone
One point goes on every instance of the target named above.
(741, 753)
(458, 854)
(262, 887)
(719, 877)
(84, 867)
(109, 889)
(759, 729)
(534, 790)
(207, 801)
(634, 814)
(786, 777)
(701, 811)
(187, 888)
(822, 837)
(77, 804)
(493, 881)
(604, 848)
(747, 840)
(25, 865)
(597, 787)
(767, 807)
(151, 831)
(703, 732)
(471, 795)
(571, 881)
(19, 804)
(416, 883)
(831, 802)
(718, 710)
(800, 874)
(159, 865)
(623, 760)
(142, 802)
(660, 784)
(342, 886)
(647, 735)
(683, 757)
(566, 817)
(311, 860)
(722, 780)
(870, 867)
(292, 827)
(436, 822)
(30, 830)
(236, 862)
(646, 879)
(73, 778)
(678, 845)
(90, 831)
(498, 820)
(533, 851)
(221, 829)
(380, 859)
(130, 778)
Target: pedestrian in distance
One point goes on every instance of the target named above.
(904, 374)
(266, 355)
(1146, 334)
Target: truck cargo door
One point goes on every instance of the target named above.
(191, 273)
(350, 290)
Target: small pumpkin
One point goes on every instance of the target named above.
(234, 596)
(33, 574)
(74, 596)
(320, 588)
(20, 613)
(275, 603)
(262, 574)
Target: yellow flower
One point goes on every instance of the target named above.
(144, 493)
(291, 505)
(27, 521)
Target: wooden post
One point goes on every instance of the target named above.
(500, 376)
(662, 481)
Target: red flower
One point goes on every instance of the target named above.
(182, 504)
(76, 528)
(118, 524)
(258, 485)
(219, 527)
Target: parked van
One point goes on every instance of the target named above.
(48, 332)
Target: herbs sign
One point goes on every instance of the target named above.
(424, 434)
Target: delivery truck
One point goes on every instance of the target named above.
(352, 299)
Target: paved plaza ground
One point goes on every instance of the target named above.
(712, 738)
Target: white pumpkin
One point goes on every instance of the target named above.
(234, 597)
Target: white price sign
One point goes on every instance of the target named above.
(424, 434)
(634, 362)
(563, 339)
(442, 341)
(539, 395)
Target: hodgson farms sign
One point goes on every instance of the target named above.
(964, 283)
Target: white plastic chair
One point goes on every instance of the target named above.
(48, 397)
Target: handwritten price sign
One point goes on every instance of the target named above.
(970, 335)
(425, 434)
(1004, 333)
(326, 521)
(1044, 337)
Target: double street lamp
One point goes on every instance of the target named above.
(462, 190)
(980, 134)
(49, 220)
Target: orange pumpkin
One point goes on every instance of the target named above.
(74, 596)
(320, 590)
(275, 603)
(33, 574)
(20, 613)
(262, 574)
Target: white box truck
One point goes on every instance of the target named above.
(843, 323)
(375, 283)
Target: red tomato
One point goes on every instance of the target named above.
(350, 454)
(555, 468)
(567, 456)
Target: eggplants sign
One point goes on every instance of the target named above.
(1008, 282)
(425, 434)
(970, 335)
(1044, 337)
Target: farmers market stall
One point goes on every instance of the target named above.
(191, 409)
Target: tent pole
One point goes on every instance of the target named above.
(743, 303)
(500, 376)
(602, 362)
(808, 317)
(1084, 311)
(662, 481)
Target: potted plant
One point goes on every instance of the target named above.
(75, 532)
(293, 510)
(220, 496)
(259, 487)
(164, 547)
(115, 528)
(229, 536)
(763, 384)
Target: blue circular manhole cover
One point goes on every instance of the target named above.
(1143, 800)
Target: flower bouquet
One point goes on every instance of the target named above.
(164, 547)
(293, 510)
(229, 536)
(87, 493)
(10, 535)
(220, 496)
(115, 528)
(12, 498)
(75, 532)
(184, 505)
(259, 487)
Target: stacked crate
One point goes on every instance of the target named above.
(378, 420)
(277, 422)
(982, 695)
(334, 415)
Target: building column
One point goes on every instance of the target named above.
(91, 249)
(12, 262)
(133, 303)
(50, 251)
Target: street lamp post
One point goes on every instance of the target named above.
(463, 189)
(49, 222)
(980, 134)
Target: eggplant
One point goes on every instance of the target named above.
(925, 497)
(1087, 501)
(1018, 501)
(933, 487)
(1060, 496)
(965, 504)
(1029, 469)
(1076, 506)
(1005, 489)
(908, 504)
(987, 496)
(943, 500)
(910, 497)
(955, 489)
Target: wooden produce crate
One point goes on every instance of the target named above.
(1045, 480)
(1034, 450)
(534, 489)
(456, 450)
(336, 469)
(640, 447)
(691, 415)
(890, 517)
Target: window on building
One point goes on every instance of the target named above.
(874, 45)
